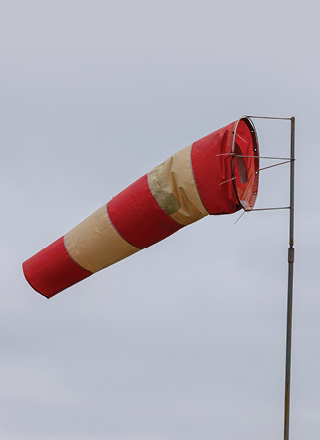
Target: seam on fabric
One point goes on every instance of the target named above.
(118, 231)
(160, 205)
(195, 183)
(120, 259)
(64, 243)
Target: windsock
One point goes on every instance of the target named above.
(217, 174)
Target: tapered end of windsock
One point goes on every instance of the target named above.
(52, 270)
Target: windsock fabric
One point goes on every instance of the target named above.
(217, 174)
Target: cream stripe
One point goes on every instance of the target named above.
(95, 244)
(172, 184)
(162, 191)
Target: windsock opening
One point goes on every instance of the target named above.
(245, 163)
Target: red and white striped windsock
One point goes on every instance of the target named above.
(217, 174)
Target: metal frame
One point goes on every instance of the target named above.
(290, 270)
(256, 153)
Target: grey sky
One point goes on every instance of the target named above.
(185, 340)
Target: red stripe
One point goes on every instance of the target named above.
(210, 171)
(52, 270)
(137, 216)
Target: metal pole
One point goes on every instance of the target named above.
(290, 287)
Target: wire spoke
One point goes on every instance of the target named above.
(271, 166)
(244, 211)
(229, 180)
(268, 117)
(256, 157)
(268, 209)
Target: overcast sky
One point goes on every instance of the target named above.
(185, 340)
